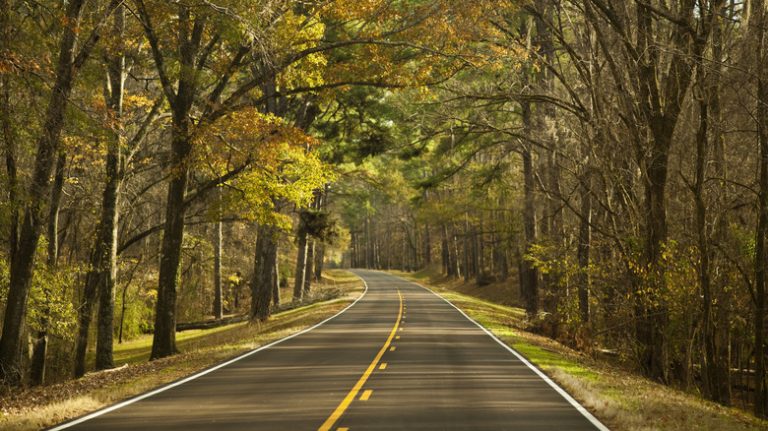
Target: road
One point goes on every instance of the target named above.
(400, 358)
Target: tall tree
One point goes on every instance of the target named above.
(69, 62)
(100, 279)
(758, 31)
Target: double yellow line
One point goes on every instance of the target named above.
(342, 407)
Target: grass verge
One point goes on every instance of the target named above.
(40, 407)
(620, 399)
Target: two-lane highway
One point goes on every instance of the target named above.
(400, 358)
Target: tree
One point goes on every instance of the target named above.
(70, 60)
(758, 29)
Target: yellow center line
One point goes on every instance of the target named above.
(342, 407)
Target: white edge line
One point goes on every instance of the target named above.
(202, 373)
(596, 422)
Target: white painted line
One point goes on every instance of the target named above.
(581, 409)
(200, 374)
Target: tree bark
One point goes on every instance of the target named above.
(308, 266)
(276, 277)
(190, 31)
(584, 247)
(467, 252)
(164, 340)
(319, 261)
(455, 255)
(218, 303)
(715, 371)
(445, 252)
(545, 118)
(370, 260)
(301, 262)
(427, 246)
(721, 317)
(263, 282)
(8, 135)
(529, 278)
(111, 201)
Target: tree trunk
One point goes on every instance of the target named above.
(545, 119)
(715, 369)
(319, 261)
(9, 136)
(218, 303)
(651, 312)
(455, 254)
(722, 362)
(164, 340)
(301, 262)
(445, 252)
(709, 365)
(276, 278)
(529, 278)
(501, 245)
(33, 219)
(85, 311)
(584, 247)
(758, 31)
(263, 282)
(370, 260)
(308, 267)
(53, 210)
(190, 30)
(427, 246)
(467, 251)
(110, 202)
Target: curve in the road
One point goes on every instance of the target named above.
(440, 371)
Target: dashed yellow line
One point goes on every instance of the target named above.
(383, 366)
(366, 394)
(392, 349)
(342, 407)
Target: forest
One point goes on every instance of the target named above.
(171, 163)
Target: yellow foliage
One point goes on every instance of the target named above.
(299, 33)
(243, 135)
(283, 166)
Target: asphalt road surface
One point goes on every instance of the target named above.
(400, 358)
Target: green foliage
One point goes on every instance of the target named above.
(139, 308)
(562, 270)
(320, 225)
(50, 304)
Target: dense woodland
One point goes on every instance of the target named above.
(169, 162)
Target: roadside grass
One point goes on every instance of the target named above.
(40, 407)
(622, 400)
